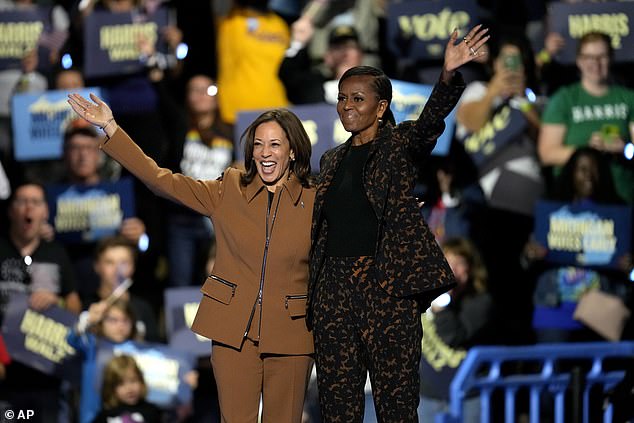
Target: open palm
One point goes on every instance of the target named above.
(468, 49)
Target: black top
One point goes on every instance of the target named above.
(352, 223)
(144, 411)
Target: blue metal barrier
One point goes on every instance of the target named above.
(482, 372)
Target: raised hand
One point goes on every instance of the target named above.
(96, 111)
(457, 55)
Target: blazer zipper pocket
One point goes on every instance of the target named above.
(294, 297)
(226, 283)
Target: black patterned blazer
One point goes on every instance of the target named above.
(408, 261)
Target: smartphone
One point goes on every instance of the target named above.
(609, 132)
(512, 62)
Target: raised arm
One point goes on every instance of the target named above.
(201, 196)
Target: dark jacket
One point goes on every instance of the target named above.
(408, 261)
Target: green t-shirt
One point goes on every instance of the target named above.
(583, 114)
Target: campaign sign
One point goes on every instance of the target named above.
(85, 213)
(39, 122)
(573, 20)
(181, 305)
(164, 370)
(408, 101)
(420, 29)
(20, 32)
(585, 234)
(111, 41)
(38, 338)
(505, 126)
(320, 121)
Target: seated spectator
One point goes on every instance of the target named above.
(593, 112)
(41, 269)
(456, 322)
(306, 83)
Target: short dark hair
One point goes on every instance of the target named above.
(382, 87)
(78, 129)
(297, 138)
(23, 183)
(113, 242)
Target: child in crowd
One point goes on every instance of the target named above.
(105, 321)
(123, 394)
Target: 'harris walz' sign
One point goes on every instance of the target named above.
(89, 213)
(39, 122)
(574, 20)
(20, 32)
(325, 130)
(421, 29)
(111, 41)
(38, 338)
(584, 235)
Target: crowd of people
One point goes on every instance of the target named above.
(345, 268)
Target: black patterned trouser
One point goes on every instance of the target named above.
(359, 328)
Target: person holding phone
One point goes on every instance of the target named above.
(592, 112)
(513, 72)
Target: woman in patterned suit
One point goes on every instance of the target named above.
(374, 262)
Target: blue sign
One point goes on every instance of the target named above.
(39, 122)
(585, 234)
(164, 369)
(111, 41)
(21, 31)
(573, 20)
(181, 305)
(505, 126)
(38, 338)
(421, 29)
(408, 101)
(85, 213)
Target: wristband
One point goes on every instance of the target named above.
(543, 56)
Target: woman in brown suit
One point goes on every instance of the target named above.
(254, 304)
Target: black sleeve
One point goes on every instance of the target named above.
(303, 84)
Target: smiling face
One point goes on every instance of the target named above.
(593, 62)
(28, 212)
(272, 154)
(358, 106)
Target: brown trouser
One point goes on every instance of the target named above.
(243, 375)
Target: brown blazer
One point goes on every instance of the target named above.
(239, 215)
